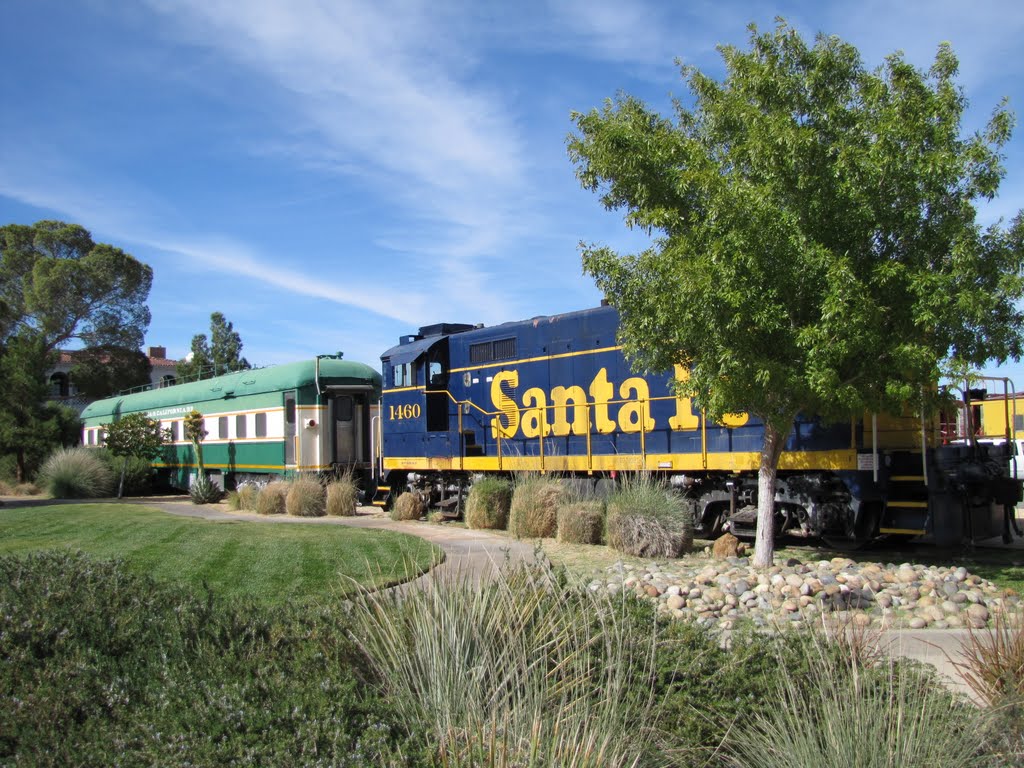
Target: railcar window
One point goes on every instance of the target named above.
(1018, 422)
(435, 376)
(405, 375)
(101, 437)
(343, 409)
(222, 427)
(240, 425)
(261, 425)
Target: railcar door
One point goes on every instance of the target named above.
(438, 402)
(289, 428)
(344, 432)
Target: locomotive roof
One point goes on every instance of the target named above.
(411, 347)
(250, 382)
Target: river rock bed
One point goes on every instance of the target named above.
(720, 592)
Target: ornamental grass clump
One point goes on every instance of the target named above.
(271, 499)
(646, 519)
(581, 522)
(248, 493)
(306, 497)
(408, 506)
(342, 496)
(843, 713)
(488, 503)
(75, 473)
(533, 513)
(522, 670)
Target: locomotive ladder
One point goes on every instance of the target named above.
(906, 502)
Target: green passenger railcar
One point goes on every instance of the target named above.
(309, 416)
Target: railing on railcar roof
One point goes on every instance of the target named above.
(208, 372)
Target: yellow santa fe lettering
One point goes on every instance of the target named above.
(504, 402)
(635, 414)
(685, 418)
(535, 404)
(602, 391)
(561, 397)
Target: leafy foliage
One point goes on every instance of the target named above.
(58, 286)
(135, 435)
(817, 247)
(138, 476)
(105, 370)
(222, 353)
(103, 667)
(75, 473)
(31, 428)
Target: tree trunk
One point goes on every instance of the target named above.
(771, 450)
(120, 485)
(19, 465)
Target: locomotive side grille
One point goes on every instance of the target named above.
(489, 351)
(481, 353)
(505, 349)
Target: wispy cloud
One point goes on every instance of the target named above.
(375, 90)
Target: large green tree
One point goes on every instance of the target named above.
(219, 353)
(105, 370)
(58, 287)
(817, 246)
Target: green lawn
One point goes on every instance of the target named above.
(270, 563)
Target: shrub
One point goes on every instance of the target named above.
(248, 494)
(233, 501)
(581, 522)
(105, 667)
(138, 474)
(488, 503)
(343, 496)
(6, 489)
(645, 519)
(843, 715)
(26, 489)
(75, 473)
(408, 506)
(533, 513)
(524, 670)
(305, 497)
(271, 499)
(203, 491)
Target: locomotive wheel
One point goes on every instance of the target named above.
(865, 531)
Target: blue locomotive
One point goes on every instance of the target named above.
(556, 395)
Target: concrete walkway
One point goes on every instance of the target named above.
(478, 555)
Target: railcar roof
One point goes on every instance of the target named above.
(252, 382)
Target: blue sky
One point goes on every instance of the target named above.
(331, 175)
